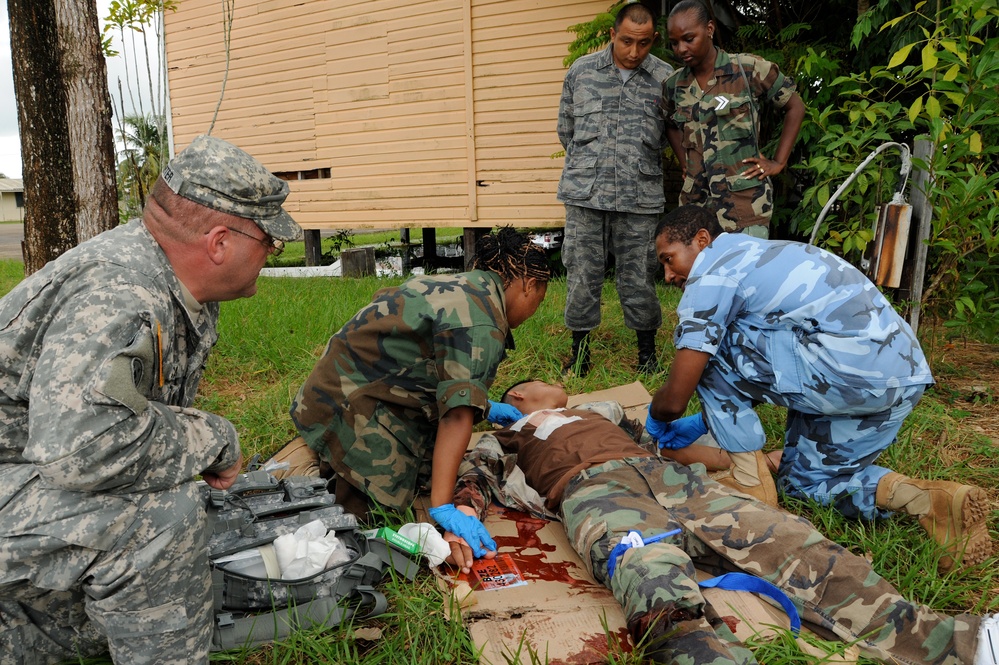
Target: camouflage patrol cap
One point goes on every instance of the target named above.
(219, 175)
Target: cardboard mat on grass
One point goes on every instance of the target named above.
(559, 614)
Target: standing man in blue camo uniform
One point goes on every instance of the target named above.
(790, 324)
(102, 525)
(612, 185)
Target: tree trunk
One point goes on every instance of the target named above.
(63, 113)
(88, 115)
(49, 207)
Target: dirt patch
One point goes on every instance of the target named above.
(967, 373)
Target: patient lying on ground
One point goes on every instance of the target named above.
(589, 471)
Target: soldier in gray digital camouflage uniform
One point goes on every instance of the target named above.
(763, 321)
(612, 183)
(392, 402)
(712, 110)
(102, 526)
(580, 464)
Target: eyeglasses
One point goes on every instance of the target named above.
(273, 245)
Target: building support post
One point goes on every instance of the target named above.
(313, 247)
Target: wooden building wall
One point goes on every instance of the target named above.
(393, 112)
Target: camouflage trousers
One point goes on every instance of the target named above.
(834, 591)
(147, 600)
(834, 435)
(589, 235)
(740, 203)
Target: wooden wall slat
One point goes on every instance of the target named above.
(375, 91)
(415, 148)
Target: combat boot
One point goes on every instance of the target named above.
(296, 459)
(954, 515)
(750, 475)
(648, 361)
(654, 629)
(579, 363)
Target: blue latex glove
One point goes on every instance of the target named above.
(683, 431)
(464, 526)
(503, 414)
(656, 428)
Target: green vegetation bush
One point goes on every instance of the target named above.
(939, 85)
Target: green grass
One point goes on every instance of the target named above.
(11, 272)
(417, 629)
(268, 346)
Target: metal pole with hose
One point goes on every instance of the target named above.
(897, 198)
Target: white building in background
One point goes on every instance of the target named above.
(11, 200)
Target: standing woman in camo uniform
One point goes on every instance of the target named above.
(392, 402)
(712, 111)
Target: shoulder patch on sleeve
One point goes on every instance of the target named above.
(130, 377)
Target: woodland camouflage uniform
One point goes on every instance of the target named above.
(832, 588)
(721, 126)
(371, 405)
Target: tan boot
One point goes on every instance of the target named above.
(749, 474)
(302, 460)
(952, 514)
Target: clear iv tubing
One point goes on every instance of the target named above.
(904, 171)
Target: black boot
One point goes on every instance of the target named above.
(655, 633)
(579, 363)
(648, 362)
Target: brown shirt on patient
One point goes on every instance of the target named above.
(553, 445)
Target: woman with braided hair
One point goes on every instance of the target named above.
(391, 403)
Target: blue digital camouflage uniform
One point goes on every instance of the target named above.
(102, 527)
(722, 531)
(721, 126)
(793, 325)
(612, 186)
(371, 405)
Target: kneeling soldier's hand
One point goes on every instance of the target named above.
(503, 414)
(683, 431)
